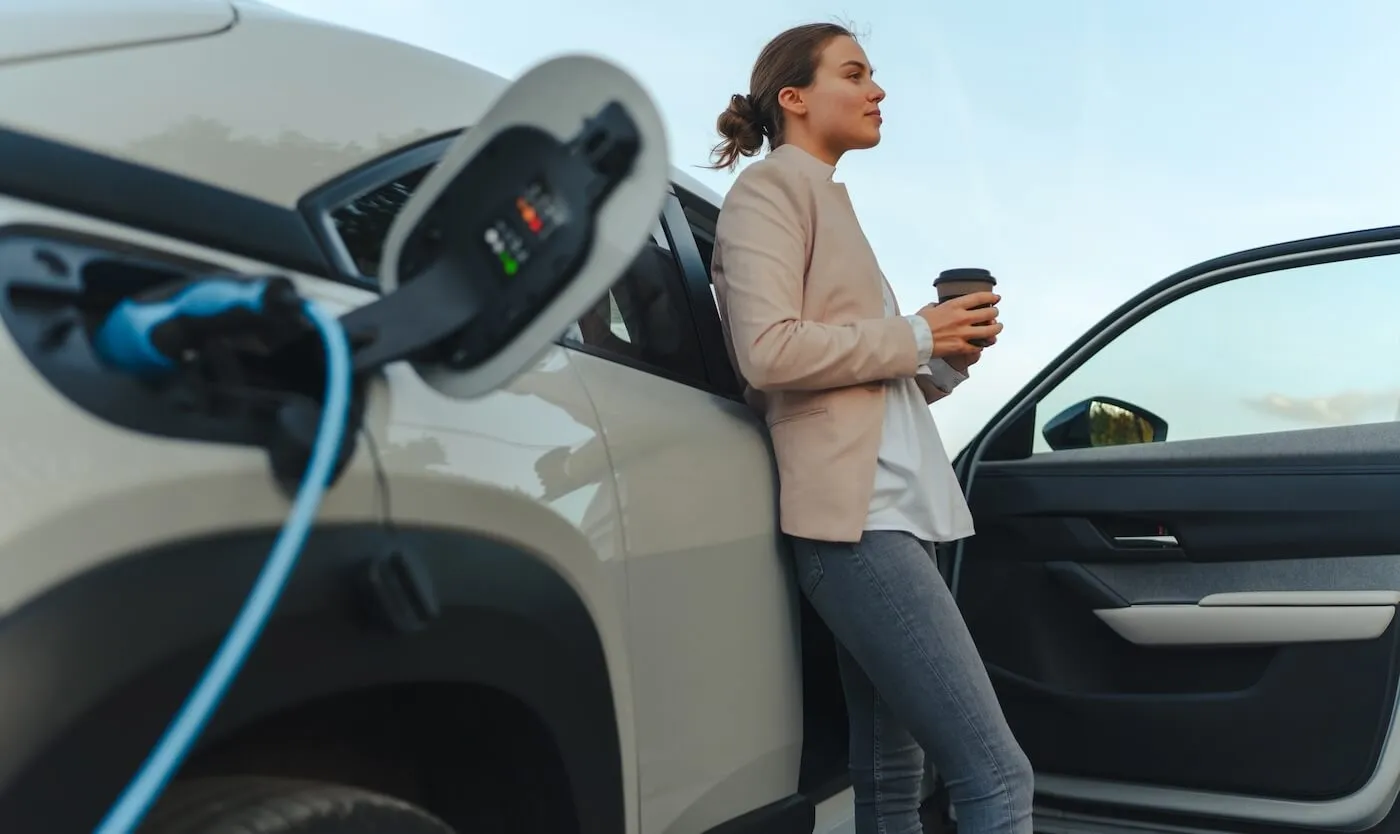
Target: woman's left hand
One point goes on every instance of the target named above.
(960, 362)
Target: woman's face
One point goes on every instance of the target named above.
(843, 103)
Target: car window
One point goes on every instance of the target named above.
(362, 223)
(352, 213)
(1305, 347)
(644, 318)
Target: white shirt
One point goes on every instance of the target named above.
(916, 491)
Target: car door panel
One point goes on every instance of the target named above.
(711, 612)
(1111, 684)
(1198, 632)
(1280, 496)
(1149, 582)
(1235, 720)
(711, 607)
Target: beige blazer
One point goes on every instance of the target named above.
(801, 301)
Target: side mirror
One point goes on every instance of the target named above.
(530, 216)
(1103, 421)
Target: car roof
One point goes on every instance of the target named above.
(272, 105)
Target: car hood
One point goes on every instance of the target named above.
(35, 29)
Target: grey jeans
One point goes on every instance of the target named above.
(914, 683)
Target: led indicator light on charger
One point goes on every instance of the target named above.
(527, 213)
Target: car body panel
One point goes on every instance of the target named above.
(270, 108)
(449, 464)
(38, 29)
(208, 111)
(711, 605)
(95, 667)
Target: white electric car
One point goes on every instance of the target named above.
(1184, 580)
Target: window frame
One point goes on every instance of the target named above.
(1010, 433)
(678, 210)
(318, 204)
(1247, 285)
(680, 244)
(696, 303)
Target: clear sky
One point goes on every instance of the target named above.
(1081, 149)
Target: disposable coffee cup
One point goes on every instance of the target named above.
(952, 283)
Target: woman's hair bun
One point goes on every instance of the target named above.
(741, 125)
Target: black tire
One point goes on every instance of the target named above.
(256, 805)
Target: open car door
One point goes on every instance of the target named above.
(1187, 557)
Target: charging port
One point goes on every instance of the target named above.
(56, 290)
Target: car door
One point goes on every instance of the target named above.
(711, 612)
(1187, 556)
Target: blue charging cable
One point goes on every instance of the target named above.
(124, 340)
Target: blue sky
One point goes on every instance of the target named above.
(1080, 149)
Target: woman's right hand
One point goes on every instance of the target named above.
(954, 323)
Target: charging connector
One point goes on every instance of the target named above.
(150, 334)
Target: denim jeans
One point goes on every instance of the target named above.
(914, 683)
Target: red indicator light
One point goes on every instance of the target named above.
(527, 213)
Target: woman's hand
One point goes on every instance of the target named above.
(960, 362)
(955, 324)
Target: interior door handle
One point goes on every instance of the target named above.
(1146, 541)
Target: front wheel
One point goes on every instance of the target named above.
(256, 805)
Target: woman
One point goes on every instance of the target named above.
(866, 487)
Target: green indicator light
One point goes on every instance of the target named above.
(511, 266)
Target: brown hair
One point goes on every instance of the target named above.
(789, 60)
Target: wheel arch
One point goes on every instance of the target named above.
(127, 640)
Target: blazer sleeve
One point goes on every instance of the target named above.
(938, 379)
(932, 393)
(762, 239)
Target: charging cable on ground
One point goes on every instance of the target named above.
(148, 336)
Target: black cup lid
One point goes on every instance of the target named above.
(965, 274)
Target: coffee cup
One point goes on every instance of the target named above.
(952, 283)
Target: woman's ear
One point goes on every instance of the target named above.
(791, 100)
